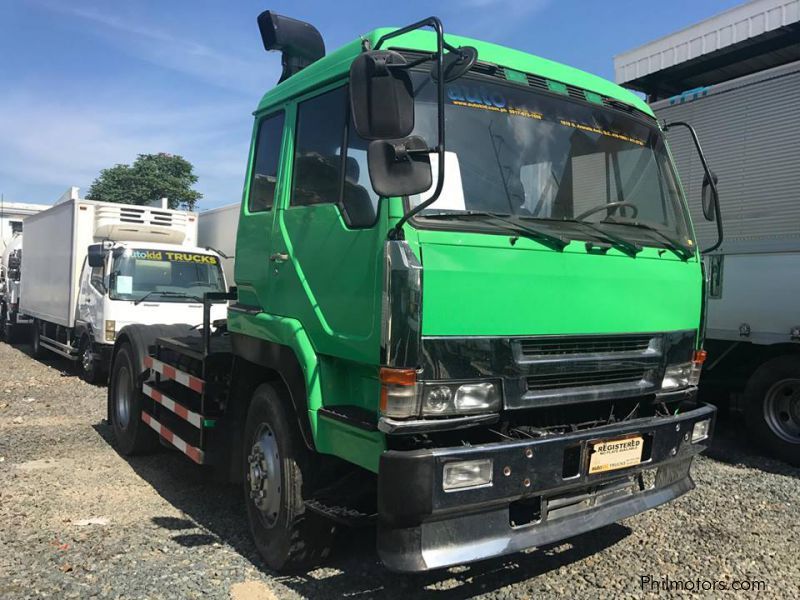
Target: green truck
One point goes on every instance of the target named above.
(469, 308)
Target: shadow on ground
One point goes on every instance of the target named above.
(732, 445)
(354, 568)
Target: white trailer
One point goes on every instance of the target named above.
(217, 230)
(736, 79)
(751, 127)
(90, 268)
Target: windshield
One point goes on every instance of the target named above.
(139, 271)
(530, 155)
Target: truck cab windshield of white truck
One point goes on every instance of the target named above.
(169, 276)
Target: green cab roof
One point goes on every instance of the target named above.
(336, 64)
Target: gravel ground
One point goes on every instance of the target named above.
(78, 520)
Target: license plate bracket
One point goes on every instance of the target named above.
(614, 454)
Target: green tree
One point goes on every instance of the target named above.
(150, 178)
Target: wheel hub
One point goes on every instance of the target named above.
(264, 475)
(782, 410)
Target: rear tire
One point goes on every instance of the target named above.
(133, 435)
(37, 351)
(772, 408)
(278, 476)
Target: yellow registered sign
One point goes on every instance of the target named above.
(610, 455)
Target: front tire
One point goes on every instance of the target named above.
(90, 368)
(772, 409)
(133, 435)
(278, 477)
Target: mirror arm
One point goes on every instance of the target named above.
(397, 231)
(717, 212)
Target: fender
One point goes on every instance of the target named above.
(141, 338)
(281, 344)
(282, 360)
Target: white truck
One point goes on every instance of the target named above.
(217, 229)
(750, 126)
(90, 268)
(10, 318)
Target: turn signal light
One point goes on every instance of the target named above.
(700, 356)
(398, 392)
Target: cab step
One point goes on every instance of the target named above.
(343, 515)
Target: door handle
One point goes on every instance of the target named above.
(279, 257)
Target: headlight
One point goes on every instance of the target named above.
(111, 330)
(676, 377)
(460, 399)
(684, 374)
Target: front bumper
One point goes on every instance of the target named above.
(547, 494)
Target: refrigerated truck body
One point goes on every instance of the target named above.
(151, 271)
(216, 228)
(751, 130)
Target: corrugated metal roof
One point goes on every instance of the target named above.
(766, 31)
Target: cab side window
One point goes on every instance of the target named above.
(96, 279)
(318, 149)
(265, 164)
(323, 173)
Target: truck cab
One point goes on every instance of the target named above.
(93, 267)
(469, 307)
(10, 263)
(142, 282)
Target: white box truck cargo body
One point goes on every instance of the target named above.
(217, 229)
(750, 127)
(58, 239)
(147, 269)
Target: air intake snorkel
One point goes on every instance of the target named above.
(299, 42)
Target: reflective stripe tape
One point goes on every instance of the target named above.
(170, 372)
(179, 409)
(194, 453)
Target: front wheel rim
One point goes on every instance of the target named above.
(122, 397)
(782, 410)
(86, 359)
(264, 475)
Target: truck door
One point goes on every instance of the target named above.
(328, 239)
(90, 298)
(254, 239)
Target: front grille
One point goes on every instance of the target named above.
(555, 381)
(600, 344)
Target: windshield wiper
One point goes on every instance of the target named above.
(556, 242)
(168, 294)
(673, 245)
(628, 247)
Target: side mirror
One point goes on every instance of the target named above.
(400, 167)
(709, 197)
(97, 256)
(381, 96)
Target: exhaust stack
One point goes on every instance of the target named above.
(299, 42)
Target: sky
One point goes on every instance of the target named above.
(87, 84)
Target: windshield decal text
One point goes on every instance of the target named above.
(170, 256)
